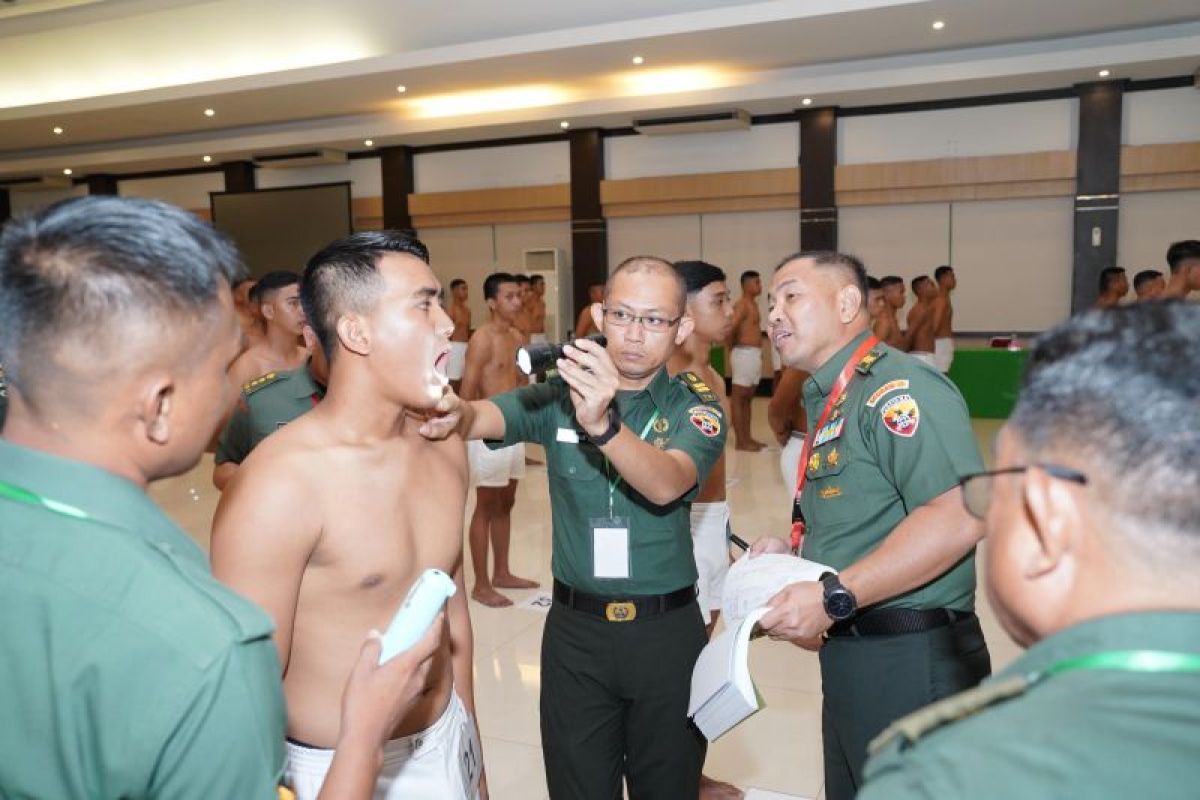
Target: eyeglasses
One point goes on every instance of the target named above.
(651, 322)
(977, 488)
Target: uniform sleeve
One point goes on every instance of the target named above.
(229, 740)
(234, 442)
(922, 438)
(528, 413)
(700, 435)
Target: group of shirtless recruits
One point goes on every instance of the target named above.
(929, 334)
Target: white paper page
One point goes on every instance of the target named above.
(751, 582)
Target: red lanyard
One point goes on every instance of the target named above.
(839, 389)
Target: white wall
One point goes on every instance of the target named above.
(954, 132)
(904, 240)
(492, 167)
(1159, 117)
(185, 191)
(363, 174)
(1150, 222)
(760, 147)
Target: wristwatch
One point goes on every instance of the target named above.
(614, 427)
(840, 602)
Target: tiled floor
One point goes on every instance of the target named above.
(777, 751)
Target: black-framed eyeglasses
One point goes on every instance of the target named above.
(977, 487)
(651, 322)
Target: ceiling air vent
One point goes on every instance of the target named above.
(734, 120)
(305, 158)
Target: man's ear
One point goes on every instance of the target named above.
(267, 310)
(156, 405)
(354, 334)
(598, 315)
(1055, 519)
(686, 326)
(850, 302)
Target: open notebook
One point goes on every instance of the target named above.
(723, 694)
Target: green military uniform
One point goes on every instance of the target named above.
(267, 404)
(1090, 730)
(3, 398)
(126, 669)
(898, 437)
(616, 676)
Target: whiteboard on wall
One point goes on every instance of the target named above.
(1150, 222)
(1013, 260)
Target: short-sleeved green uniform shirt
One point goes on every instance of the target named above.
(267, 404)
(1098, 734)
(899, 437)
(126, 669)
(660, 539)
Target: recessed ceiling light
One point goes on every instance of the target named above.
(369, 142)
(401, 88)
(564, 124)
(207, 159)
(639, 60)
(57, 130)
(1104, 73)
(208, 112)
(938, 25)
(806, 101)
(67, 171)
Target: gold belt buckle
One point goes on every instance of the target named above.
(620, 612)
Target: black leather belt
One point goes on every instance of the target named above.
(893, 621)
(623, 609)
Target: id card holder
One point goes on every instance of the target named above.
(610, 548)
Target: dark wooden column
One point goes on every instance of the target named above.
(589, 230)
(239, 176)
(102, 184)
(5, 206)
(818, 157)
(1097, 188)
(396, 171)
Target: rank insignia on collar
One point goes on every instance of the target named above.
(833, 457)
(661, 425)
(868, 361)
(814, 463)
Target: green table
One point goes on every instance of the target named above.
(989, 379)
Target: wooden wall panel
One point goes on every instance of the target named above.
(1160, 167)
(549, 203)
(755, 190)
(1047, 174)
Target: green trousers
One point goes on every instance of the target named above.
(869, 682)
(614, 704)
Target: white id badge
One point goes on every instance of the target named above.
(610, 548)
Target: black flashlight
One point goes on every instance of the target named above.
(536, 358)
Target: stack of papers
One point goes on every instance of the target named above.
(752, 582)
(722, 692)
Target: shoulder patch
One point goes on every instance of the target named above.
(698, 387)
(705, 419)
(250, 387)
(901, 415)
(868, 361)
(890, 386)
(910, 729)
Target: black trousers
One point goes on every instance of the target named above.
(614, 703)
(870, 682)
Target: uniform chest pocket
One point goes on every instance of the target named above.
(827, 462)
(827, 487)
(576, 462)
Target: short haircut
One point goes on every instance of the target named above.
(1182, 251)
(84, 274)
(918, 281)
(457, 282)
(748, 275)
(240, 282)
(698, 274)
(1113, 393)
(874, 284)
(650, 265)
(891, 280)
(344, 276)
(945, 269)
(520, 278)
(272, 282)
(849, 266)
(1109, 277)
(1144, 277)
(537, 279)
(491, 284)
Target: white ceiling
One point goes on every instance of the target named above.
(128, 80)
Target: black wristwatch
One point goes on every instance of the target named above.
(840, 602)
(614, 427)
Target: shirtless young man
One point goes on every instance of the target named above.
(460, 315)
(492, 370)
(1114, 285)
(876, 303)
(888, 326)
(537, 310)
(921, 320)
(746, 358)
(1184, 260)
(585, 325)
(249, 319)
(524, 319)
(330, 520)
(281, 348)
(943, 317)
(789, 423)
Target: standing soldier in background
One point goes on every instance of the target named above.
(943, 317)
(894, 296)
(1114, 285)
(1149, 284)
(460, 314)
(789, 422)
(277, 296)
(524, 318)
(921, 320)
(585, 325)
(746, 358)
(247, 310)
(537, 310)
(1184, 260)
(896, 626)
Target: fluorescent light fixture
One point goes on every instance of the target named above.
(671, 80)
(457, 104)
